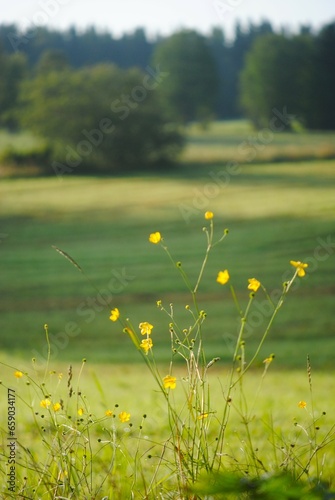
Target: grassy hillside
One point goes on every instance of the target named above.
(275, 212)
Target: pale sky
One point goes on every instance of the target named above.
(165, 16)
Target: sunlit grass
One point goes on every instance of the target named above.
(221, 416)
(238, 141)
(277, 424)
(274, 212)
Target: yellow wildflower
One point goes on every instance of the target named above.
(146, 345)
(81, 411)
(18, 374)
(155, 237)
(62, 475)
(57, 406)
(254, 284)
(169, 382)
(209, 215)
(115, 314)
(108, 413)
(124, 417)
(145, 328)
(202, 416)
(45, 403)
(301, 266)
(302, 404)
(223, 277)
(269, 359)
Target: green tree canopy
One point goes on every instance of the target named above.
(99, 117)
(190, 91)
(322, 115)
(278, 73)
(52, 60)
(12, 69)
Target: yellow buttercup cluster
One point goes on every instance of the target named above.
(146, 329)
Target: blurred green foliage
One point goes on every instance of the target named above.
(294, 72)
(190, 92)
(229, 485)
(101, 118)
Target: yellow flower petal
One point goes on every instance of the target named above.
(202, 416)
(45, 403)
(209, 215)
(146, 345)
(124, 417)
(108, 413)
(169, 382)
(57, 406)
(115, 314)
(155, 237)
(302, 404)
(300, 266)
(145, 328)
(254, 284)
(81, 411)
(18, 374)
(223, 277)
(269, 359)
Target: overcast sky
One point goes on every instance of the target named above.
(165, 16)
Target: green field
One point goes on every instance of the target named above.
(275, 212)
(50, 444)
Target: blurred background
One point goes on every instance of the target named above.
(120, 120)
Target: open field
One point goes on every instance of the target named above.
(275, 212)
(237, 140)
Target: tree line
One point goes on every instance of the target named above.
(95, 97)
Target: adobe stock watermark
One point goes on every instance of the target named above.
(87, 311)
(248, 149)
(47, 10)
(121, 107)
(224, 7)
(263, 310)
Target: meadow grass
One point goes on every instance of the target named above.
(183, 433)
(275, 212)
(237, 140)
(221, 417)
